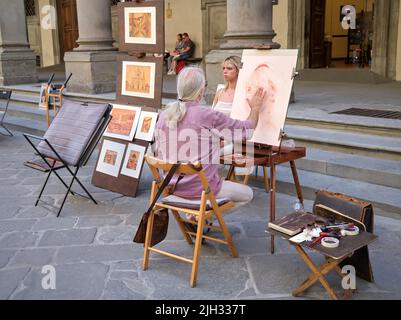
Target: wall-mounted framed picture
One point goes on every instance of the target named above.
(124, 122)
(133, 161)
(146, 126)
(137, 83)
(141, 26)
(110, 159)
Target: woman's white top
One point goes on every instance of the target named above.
(223, 107)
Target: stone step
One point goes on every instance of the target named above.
(353, 75)
(374, 126)
(26, 112)
(387, 199)
(25, 125)
(388, 148)
(360, 168)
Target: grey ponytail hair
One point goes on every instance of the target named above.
(190, 83)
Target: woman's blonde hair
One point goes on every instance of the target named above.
(235, 61)
(190, 83)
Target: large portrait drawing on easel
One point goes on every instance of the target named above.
(273, 70)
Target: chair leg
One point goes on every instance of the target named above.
(148, 237)
(198, 243)
(246, 179)
(182, 227)
(226, 233)
(266, 179)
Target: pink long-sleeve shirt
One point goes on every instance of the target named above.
(197, 138)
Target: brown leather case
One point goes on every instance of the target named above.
(344, 208)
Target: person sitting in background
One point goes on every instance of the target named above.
(178, 46)
(186, 52)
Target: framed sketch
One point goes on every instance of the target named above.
(111, 177)
(133, 161)
(141, 26)
(138, 80)
(43, 96)
(273, 70)
(146, 126)
(110, 159)
(123, 123)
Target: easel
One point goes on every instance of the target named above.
(268, 156)
(54, 93)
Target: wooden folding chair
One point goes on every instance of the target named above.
(208, 208)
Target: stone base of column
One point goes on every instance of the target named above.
(92, 72)
(248, 43)
(17, 67)
(214, 75)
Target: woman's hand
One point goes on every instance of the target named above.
(256, 102)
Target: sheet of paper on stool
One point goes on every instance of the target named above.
(306, 235)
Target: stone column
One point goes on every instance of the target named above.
(17, 60)
(249, 23)
(93, 62)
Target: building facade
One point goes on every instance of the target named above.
(72, 35)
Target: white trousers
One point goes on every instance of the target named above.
(235, 192)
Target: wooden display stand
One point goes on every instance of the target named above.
(135, 53)
(54, 94)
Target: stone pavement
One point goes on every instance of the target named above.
(90, 246)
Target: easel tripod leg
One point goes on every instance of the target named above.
(296, 181)
(272, 200)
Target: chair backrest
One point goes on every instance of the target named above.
(196, 168)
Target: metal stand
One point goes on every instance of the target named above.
(6, 95)
(54, 169)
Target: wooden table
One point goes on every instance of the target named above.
(268, 156)
(348, 245)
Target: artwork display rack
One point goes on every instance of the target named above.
(140, 54)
